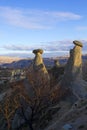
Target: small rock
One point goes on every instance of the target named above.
(67, 127)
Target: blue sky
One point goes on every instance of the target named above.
(48, 24)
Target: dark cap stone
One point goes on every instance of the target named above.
(78, 43)
(38, 51)
(55, 60)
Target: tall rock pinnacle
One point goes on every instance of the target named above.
(73, 72)
(38, 64)
(38, 70)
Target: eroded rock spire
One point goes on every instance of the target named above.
(38, 64)
(73, 72)
(38, 70)
(56, 63)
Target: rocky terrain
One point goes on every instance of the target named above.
(51, 96)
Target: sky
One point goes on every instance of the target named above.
(52, 25)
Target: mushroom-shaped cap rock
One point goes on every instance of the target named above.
(78, 43)
(38, 51)
(55, 60)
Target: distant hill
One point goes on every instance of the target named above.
(10, 62)
(6, 59)
(23, 63)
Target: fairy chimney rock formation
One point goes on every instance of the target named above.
(39, 68)
(56, 63)
(73, 69)
(73, 72)
(77, 60)
(38, 64)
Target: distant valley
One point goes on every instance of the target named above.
(14, 62)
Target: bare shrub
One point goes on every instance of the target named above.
(12, 101)
(8, 108)
(46, 94)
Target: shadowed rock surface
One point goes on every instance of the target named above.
(76, 117)
(23, 115)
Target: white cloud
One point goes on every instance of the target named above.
(52, 48)
(18, 47)
(63, 45)
(46, 46)
(81, 28)
(34, 19)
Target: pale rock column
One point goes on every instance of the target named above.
(38, 64)
(38, 70)
(73, 72)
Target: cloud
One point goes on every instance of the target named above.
(63, 45)
(81, 28)
(35, 19)
(17, 47)
(46, 46)
(51, 49)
